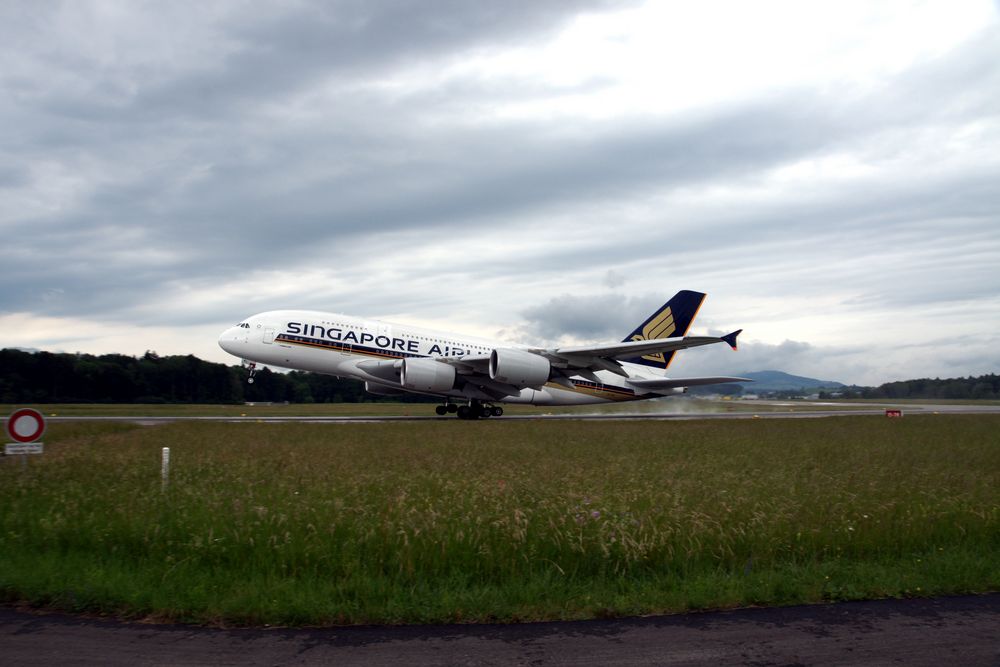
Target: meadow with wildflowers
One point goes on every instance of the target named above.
(449, 521)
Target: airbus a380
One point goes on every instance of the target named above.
(395, 359)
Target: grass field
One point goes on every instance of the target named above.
(309, 524)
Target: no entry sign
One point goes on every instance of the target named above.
(25, 425)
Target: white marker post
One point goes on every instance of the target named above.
(165, 469)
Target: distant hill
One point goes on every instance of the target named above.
(764, 381)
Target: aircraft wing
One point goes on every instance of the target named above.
(568, 361)
(604, 357)
(635, 348)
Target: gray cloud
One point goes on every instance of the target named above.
(605, 316)
(164, 155)
(613, 279)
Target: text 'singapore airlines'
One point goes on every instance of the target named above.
(471, 375)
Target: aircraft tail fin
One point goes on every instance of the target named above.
(671, 320)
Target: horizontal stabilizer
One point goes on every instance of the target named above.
(674, 383)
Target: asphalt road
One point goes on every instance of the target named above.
(944, 631)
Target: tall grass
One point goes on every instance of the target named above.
(444, 521)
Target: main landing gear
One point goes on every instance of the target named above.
(474, 410)
(442, 410)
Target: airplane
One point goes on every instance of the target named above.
(396, 359)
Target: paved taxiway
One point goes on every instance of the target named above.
(944, 631)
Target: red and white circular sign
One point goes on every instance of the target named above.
(26, 425)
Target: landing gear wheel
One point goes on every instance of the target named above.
(250, 380)
(441, 410)
(452, 407)
(485, 411)
(497, 411)
(465, 412)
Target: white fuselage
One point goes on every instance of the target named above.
(351, 347)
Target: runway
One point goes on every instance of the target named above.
(952, 630)
(767, 411)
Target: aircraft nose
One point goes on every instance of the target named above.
(227, 340)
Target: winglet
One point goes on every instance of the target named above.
(731, 338)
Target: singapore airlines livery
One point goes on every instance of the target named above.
(394, 359)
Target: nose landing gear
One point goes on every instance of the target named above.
(252, 367)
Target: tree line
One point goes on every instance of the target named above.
(984, 387)
(46, 377)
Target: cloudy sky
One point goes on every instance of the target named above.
(829, 173)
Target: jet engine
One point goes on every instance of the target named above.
(383, 390)
(519, 368)
(426, 375)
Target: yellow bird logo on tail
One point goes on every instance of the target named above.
(661, 326)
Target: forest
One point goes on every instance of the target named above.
(984, 387)
(46, 377)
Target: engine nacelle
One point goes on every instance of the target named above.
(519, 368)
(427, 375)
(383, 390)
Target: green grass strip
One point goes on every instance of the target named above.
(312, 524)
